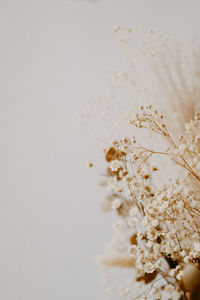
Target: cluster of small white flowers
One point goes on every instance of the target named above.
(164, 221)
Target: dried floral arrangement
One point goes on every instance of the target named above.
(153, 183)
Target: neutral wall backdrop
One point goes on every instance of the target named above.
(53, 59)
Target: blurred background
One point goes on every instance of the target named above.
(53, 59)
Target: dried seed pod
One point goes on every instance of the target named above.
(191, 278)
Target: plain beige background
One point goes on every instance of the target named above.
(53, 59)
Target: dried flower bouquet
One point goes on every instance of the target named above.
(159, 214)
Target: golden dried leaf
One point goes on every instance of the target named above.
(111, 154)
(133, 239)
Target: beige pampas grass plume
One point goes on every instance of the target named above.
(116, 260)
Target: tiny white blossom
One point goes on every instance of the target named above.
(115, 165)
(116, 204)
(119, 225)
(132, 250)
(133, 221)
(133, 211)
(179, 275)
